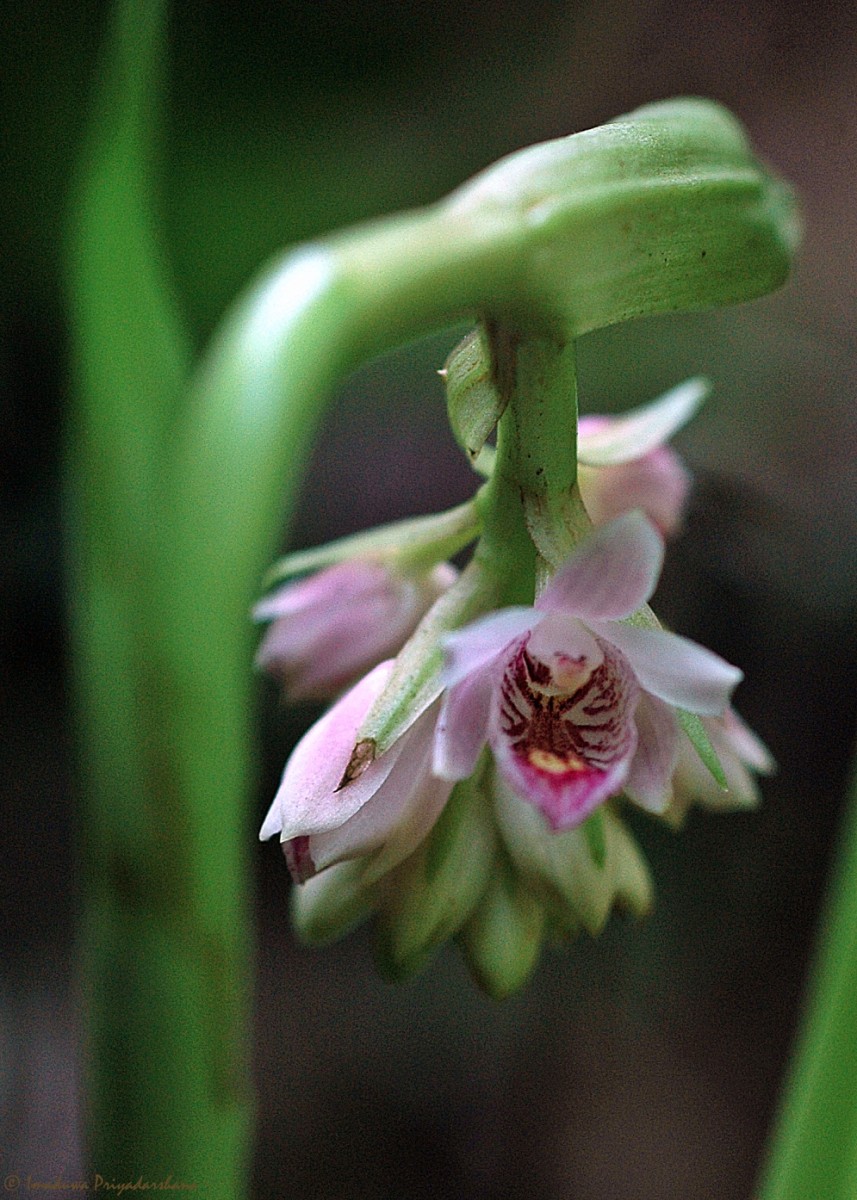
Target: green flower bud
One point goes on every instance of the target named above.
(503, 938)
(634, 888)
(330, 904)
(431, 895)
(577, 887)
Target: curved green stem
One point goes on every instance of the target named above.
(663, 210)
(165, 933)
(813, 1151)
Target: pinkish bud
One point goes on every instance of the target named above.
(625, 463)
(380, 815)
(330, 628)
(657, 483)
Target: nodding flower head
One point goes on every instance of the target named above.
(470, 821)
(329, 628)
(576, 704)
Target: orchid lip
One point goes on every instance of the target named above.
(566, 750)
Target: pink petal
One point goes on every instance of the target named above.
(471, 648)
(390, 805)
(650, 776)
(309, 799)
(608, 441)
(733, 732)
(354, 580)
(565, 753)
(674, 668)
(315, 659)
(657, 484)
(610, 575)
(564, 800)
(462, 728)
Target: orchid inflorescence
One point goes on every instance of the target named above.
(471, 780)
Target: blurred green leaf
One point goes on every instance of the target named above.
(131, 352)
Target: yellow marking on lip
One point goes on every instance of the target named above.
(555, 764)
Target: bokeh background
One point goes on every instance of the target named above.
(644, 1065)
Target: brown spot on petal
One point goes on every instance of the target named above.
(362, 756)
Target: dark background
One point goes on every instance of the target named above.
(643, 1065)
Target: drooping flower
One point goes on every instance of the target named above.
(384, 812)
(624, 462)
(741, 754)
(576, 704)
(331, 627)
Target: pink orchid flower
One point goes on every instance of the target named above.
(331, 627)
(385, 812)
(623, 462)
(576, 704)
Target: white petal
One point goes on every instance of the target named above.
(649, 781)
(622, 439)
(392, 805)
(462, 727)
(736, 735)
(611, 574)
(562, 637)
(308, 800)
(474, 645)
(674, 668)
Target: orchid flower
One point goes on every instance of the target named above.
(624, 463)
(331, 627)
(576, 704)
(385, 811)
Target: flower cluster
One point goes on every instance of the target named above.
(494, 814)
